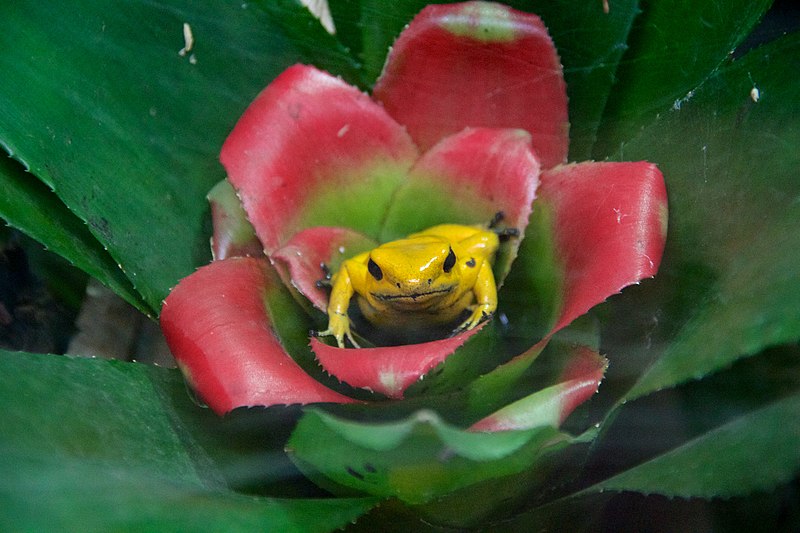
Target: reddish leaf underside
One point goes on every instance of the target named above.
(217, 326)
(610, 226)
(312, 150)
(551, 406)
(299, 260)
(477, 64)
(388, 370)
(467, 178)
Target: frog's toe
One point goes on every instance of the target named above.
(507, 233)
(478, 315)
(340, 330)
(330, 333)
(352, 341)
(465, 326)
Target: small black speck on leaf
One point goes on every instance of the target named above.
(354, 473)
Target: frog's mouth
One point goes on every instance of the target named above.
(422, 296)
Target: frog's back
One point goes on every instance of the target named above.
(473, 238)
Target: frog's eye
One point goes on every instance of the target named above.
(374, 269)
(449, 261)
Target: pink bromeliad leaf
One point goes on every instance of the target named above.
(610, 227)
(552, 405)
(300, 260)
(217, 324)
(388, 370)
(467, 178)
(477, 64)
(608, 223)
(312, 150)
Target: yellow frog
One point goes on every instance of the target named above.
(425, 280)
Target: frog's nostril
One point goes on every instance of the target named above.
(430, 281)
(398, 284)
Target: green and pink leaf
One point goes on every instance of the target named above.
(312, 150)
(417, 459)
(388, 370)
(217, 325)
(477, 64)
(551, 406)
(300, 261)
(609, 225)
(604, 228)
(422, 457)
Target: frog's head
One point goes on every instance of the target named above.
(415, 272)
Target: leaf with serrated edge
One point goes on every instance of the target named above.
(127, 130)
(754, 452)
(416, 459)
(732, 219)
(125, 456)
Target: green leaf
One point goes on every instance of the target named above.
(673, 48)
(306, 33)
(752, 453)
(422, 459)
(417, 459)
(103, 445)
(706, 439)
(346, 16)
(727, 287)
(27, 205)
(590, 43)
(125, 129)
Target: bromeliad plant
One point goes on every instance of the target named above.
(115, 118)
(467, 121)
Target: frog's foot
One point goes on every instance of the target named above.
(503, 233)
(478, 314)
(339, 327)
(506, 233)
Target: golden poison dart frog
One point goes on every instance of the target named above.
(425, 280)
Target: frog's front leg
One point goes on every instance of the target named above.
(338, 304)
(485, 291)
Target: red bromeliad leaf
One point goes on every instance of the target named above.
(300, 260)
(217, 325)
(467, 178)
(477, 64)
(388, 370)
(312, 150)
(234, 236)
(551, 406)
(610, 226)
(606, 225)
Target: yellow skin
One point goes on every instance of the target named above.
(426, 279)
